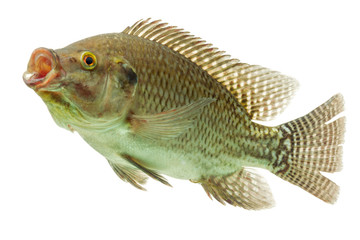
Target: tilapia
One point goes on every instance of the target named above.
(155, 100)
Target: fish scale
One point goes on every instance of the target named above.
(155, 100)
(147, 96)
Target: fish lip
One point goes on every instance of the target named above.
(38, 74)
(32, 81)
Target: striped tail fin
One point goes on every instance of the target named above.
(312, 144)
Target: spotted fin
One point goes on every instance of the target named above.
(244, 188)
(131, 175)
(145, 170)
(310, 145)
(262, 92)
(168, 124)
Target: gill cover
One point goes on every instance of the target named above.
(119, 89)
(124, 76)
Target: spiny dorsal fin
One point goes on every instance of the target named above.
(262, 92)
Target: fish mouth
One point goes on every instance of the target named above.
(43, 67)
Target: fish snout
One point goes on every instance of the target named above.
(43, 67)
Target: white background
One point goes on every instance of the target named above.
(54, 186)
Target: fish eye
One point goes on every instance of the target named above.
(88, 60)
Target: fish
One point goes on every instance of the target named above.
(157, 101)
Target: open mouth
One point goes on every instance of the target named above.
(42, 68)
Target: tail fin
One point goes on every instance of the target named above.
(312, 144)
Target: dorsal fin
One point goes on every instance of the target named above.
(262, 92)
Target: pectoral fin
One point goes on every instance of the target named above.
(168, 124)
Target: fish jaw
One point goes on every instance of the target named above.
(43, 68)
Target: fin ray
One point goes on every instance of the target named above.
(131, 175)
(250, 84)
(244, 188)
(168, 124)
(145, 170)
(313, 145)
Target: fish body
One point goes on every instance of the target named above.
(155, 100)
(156, 93)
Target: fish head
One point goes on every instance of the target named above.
(83, 83)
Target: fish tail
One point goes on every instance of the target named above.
(312, 144)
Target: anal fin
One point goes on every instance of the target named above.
(243, 188)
